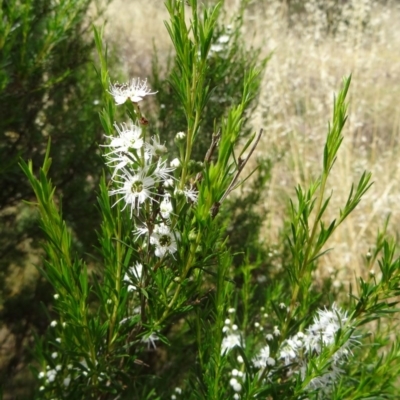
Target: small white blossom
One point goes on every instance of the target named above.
(51, 375)
(288, 351)
(175, 163)
(56, 296)
(180, 136)
(53, 323)
(269, 337)
(67, 381)
(178, 390)
(276, 332)
(136, 272)
(54, 355)
(229, 342)
(155, 148)
(223, 39)
(231, 310)
(216, 48)
(262, 359)
(41, 375)
(135, 90)
(136, 188)
(162, 172)
(191, 194)
(166, 207)
(150, 340)
(237, 387)
(129, 137)
(164, 240)
(240, 359)
(168, 183)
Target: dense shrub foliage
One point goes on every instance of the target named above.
(48, 88)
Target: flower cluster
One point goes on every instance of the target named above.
(135, 90)
(232, 337)
(143, 179)
(297, 350)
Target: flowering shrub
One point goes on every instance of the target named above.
(166, 313)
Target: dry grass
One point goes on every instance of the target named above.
(297, 94)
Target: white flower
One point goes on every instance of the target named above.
(223, 39)
(135, 90)
(51, 375)
(180, 136)
(269, 337)
(168, 183)
(164, 240)
(166, 207)
(178, 390)
(240, 359)
(136, 272)
(162, 171)
(216, 48)
(53, 323)
(140, 231)
(288, 351)
(56, 296)
(237, 387)
(324, 382)
(41, 375)
(324, 329)
(150, 340)
(276, 332)
(229, 342)
(175, 163)
(54, 355)
(191, 194)
(129, 137)
(262, 359)
(156, 148)
(137, 187)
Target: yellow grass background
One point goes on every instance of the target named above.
(296, 103)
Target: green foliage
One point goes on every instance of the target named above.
(48, 88)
